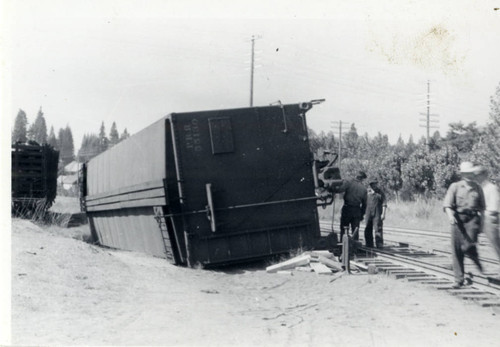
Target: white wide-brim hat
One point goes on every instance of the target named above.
(467, 167)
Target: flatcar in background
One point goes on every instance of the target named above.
(208, 188)
(34, 178)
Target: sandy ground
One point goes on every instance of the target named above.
(68, 292)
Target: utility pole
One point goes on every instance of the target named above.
(338, 125)
(428, 109)
(251, 71)
(340, 141)
(428, 115)
(253, 66)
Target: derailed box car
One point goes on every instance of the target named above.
(209, 188)
(33, 178)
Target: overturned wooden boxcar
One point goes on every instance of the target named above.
(33, 178)
(208, 188)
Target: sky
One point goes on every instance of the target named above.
(133, 62)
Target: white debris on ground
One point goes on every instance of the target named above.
(320, 262)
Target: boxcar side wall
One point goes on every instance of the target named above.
(124, 184)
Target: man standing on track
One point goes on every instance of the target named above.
(464, 205)
(491, 224)
(354, 205)
(375, 214)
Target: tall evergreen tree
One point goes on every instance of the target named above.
(20, 131)
(60, 138)
(70, 150)
(66, 145)
(114, 137)
(39, 131)
(103, 140)
(52, 140)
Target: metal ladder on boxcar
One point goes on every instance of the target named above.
(171, 253)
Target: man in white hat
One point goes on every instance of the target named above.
(464, 204)
(491, 226)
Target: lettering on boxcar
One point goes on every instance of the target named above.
(192, 136)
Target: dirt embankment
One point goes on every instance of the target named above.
(68, 292)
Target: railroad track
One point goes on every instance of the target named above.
(432, 240)
(430, 267)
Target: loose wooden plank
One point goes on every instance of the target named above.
(361, 266)
(320, 268)
(332, 264)
(290, 263)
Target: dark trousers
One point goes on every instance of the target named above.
(464, 235)
(351, 217)
(374, 222)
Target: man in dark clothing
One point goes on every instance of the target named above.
(354, 205)
(464, 205)
(375, 214)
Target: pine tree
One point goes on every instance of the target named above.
(103, 140)
(66, 145)
(125, 135)
(114, 137)
(20, 132)
(52, 140)
(39, 130)
(60, 139)
(70, 150)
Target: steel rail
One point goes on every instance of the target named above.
(483, 259)
(411, 232)
(479, 282)
(433, 233)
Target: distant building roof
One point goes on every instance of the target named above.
(72, 167)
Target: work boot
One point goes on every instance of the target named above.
(457, 285)
(468, 278)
